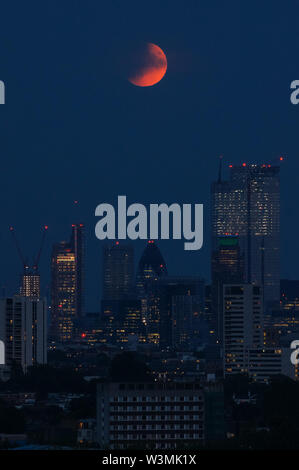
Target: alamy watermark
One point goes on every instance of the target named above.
(2, 353)
(295, 94)
(295, 354)
(160, 221)
(2, 92)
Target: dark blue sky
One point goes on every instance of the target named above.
(74, 128)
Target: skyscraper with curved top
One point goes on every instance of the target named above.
(151, 264)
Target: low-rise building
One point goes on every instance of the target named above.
(150, 415)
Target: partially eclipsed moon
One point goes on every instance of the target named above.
(151, 68)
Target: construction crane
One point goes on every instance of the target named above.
(26, 266)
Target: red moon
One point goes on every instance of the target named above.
(153, 68)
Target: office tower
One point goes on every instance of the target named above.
(23, 328)
(182, 322)
(67, 268)
(227, 268)
(168, 307)
(242, 325)
(248, 205)
(118, 272)
(150, 415)
(30, 279)
(78, 248)
(118, 280)
(129, 322)
(151, 266)
(30, 285)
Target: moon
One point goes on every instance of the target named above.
(150, 66)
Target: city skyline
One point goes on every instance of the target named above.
(94, 290)
(175, 122)
(73, 132)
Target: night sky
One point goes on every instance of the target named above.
(74, 128)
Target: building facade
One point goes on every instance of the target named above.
(30, 286)
(67, 277)
(23, 329)
(174, 305)
(227, 268)
(242, 325)
(150, 415)
(248, 205)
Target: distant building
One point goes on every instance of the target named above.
(149, 415)
(243, 325)
(248, 205)
(214, 412)
(150, 267)
(128, 322)
(23, 328)
(118, 271)
(30, 285)
(67, 295)
(86, 433)
(182, 322)
(266, 362)
(118, 282)
(174, 305)
(247, 350)
(227, 268)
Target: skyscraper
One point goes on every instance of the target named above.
(67, 284)
(118, 281)
(151, 267)
(243, 325)
(30, 279)
(77, 245)
(174, 303)
(118, 275)
(248, 205)
(23, 329)
(30, 285)
(227, 268)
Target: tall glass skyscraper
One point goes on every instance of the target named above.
(67, 266)
(151, 267)
(227, 268)
(118, 283)
(248, 205)
(118, 275)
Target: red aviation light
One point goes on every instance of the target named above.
(244, 164)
